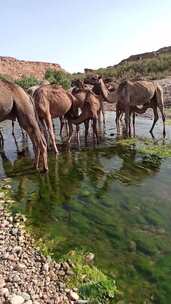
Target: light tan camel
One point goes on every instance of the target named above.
(52, 101)
(15, 103)
(139, 93)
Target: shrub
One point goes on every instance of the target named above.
(58, 77)
(27, 82)
(6, 77)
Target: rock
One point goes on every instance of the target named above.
(4, 224)
(89, 257)
(25, 296)
(14, 231)
(66, 266)
(20, 267)
(73, 295)
(45, 267)
(6, 187)
(4, 292)
(16, 299)
(29, 302)
(17, 249)
(82, 301)
(2, 282)
(2, 195)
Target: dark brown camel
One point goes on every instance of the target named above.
(15, 103)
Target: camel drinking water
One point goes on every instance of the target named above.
(52, 101)
(15, 103)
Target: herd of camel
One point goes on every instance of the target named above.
(36, 109)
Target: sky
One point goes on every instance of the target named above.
(80, 34)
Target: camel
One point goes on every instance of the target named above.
(91, 107)
(31, 92)
(101, 90)
(148, 94)
(15, 103)
(52, 101)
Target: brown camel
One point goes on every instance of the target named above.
(139, 93)
(52, 101)
(90, 110)
(15, 103)
(101, 91)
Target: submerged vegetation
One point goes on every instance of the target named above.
(113, 201)
(92, 283)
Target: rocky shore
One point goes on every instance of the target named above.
(26, 276)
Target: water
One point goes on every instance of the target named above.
(110, 200)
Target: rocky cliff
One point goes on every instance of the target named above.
(16, 69)
(147, 55)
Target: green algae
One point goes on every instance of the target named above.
(91, 282)
(112, 201)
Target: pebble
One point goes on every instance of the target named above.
(20, 266)
(14, 231)
(4, 292)
(17, 249)
(2, 195)
(89, 257)
(25, 296)
(73, 295)
(2, 282)
(16, 299)
(26, 276)
(6, 187)
(46, 267)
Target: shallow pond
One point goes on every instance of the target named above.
(110, 200)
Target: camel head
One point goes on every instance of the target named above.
(100, 88)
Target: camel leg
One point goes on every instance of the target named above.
(86, 123)
(117, 120)
(133, 122)
(45, 130)
(95, 129)
(1, 139)
(70, 131)
(13, 127)
(156, 117)
(36, 151)
(161, 108)
(78, 134)
(103, 112)
(51, 132)
(62, 125)
(127, 120)
(66, 127)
